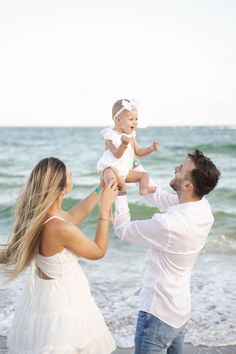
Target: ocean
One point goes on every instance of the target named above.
(116, 278)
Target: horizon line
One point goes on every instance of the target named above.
(101, 126)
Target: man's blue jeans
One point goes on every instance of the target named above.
(155, 336)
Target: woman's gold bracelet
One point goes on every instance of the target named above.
(105, 219)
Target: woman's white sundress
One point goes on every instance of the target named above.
(58, 316)
(125, 162)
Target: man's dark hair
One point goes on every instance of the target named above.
(205, 176)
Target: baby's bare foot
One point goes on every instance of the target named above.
(148, 190)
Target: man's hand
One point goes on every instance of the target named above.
(155, 146)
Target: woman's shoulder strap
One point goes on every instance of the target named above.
(53, 217)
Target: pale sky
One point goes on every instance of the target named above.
(65, 62)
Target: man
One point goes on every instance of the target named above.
(174, 239)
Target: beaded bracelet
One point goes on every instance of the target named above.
(97, 190)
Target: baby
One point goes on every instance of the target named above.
(122, 148)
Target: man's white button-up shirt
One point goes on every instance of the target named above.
(173, 238)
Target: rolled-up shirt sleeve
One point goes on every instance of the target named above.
(151, 233)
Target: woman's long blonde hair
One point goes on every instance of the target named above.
(44, 187)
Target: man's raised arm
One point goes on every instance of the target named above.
(148, 233)
(160, 199)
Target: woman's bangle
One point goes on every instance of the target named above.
(105, 219)
(97, 190)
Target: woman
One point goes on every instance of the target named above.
(56, 313)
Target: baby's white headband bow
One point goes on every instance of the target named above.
(127, 105)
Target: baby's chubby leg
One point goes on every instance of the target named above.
(108, 174)
(111, 173)
(143, 179)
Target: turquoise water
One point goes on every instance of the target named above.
(115, 279)
(80, 148)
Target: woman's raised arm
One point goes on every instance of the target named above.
(75, 240)
(84, 208)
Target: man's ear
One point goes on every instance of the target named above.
(188, 185)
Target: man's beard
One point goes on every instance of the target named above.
(173, 184)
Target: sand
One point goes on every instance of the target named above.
(189, 349)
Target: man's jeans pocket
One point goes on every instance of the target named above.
(152, 333)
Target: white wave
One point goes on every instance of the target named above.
(116, 279)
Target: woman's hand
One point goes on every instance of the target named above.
(120, 182)
(108, 195)
(102, 183)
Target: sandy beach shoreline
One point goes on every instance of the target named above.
(189, 349)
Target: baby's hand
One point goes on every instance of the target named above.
(155, 145)
(126, 139)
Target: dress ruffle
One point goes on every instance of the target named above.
(110, 134)
(59, 316)
(79, 331)
(98, 346)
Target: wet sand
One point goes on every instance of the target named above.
(189, 349)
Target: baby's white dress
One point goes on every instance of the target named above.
(58, 316)
(125, 162)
